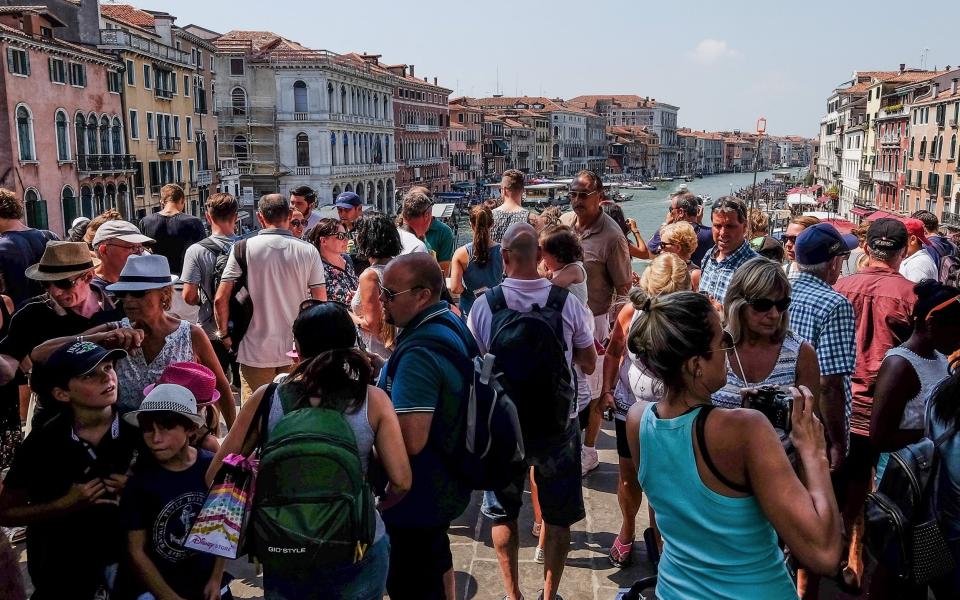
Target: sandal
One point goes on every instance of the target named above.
(537, 526)
(621, 555)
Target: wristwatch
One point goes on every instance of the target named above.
(219, 335)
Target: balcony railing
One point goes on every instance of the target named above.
(163, 93)
(890, 139)
(885, 176)
(301, 116)
(365, 169)
(421, 128)
(865, 176)
(301, 170)
(950, 218)
(104, 163)
(203, 178)
(167, 144)
(116, 39)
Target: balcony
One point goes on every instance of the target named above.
(951, 219)
(203, 178)
(422, 162)
(885, 176)
(865, 177)
(301, 170)
(163, 94)
(890, 139)
(167, 144)
(115, 39)
(365, 169)
(301, 116)
(104, 163)
(421, 128)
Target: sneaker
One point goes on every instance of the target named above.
(15, 534)
(589, 460)
(555, 596)
(538, 555)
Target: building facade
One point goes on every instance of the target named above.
(932, 160)
(466, 150)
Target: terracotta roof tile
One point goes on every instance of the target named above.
(127, 14)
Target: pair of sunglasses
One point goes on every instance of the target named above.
(63, 284)
(575, 195)
(340, 235)
(390, 295)
(298, 223)
(131, 293)
(765, 304)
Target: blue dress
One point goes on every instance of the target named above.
(476, 277)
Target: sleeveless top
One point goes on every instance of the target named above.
(134, 373)
(503, 219)
(634, 382)
(477, 278)
(930, 371)
(784, 373)
(360, 424)
(370, 341)
(715, 546)
(578, 289)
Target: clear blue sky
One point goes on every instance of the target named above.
(723, 63)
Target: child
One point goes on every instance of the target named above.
(202, 383)
(162, 500)
(65, 479)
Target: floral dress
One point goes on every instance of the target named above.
(341, 283)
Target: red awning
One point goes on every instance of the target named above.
(842, 225)
(882, 214)
(860, 212)
(815, 188)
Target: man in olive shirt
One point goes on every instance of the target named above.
(609, 275)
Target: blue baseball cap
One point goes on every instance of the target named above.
(77, 359)
(821, 242)
(348, 200)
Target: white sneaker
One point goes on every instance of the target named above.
(589, 460)
(538, 555)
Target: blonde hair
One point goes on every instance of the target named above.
(759, 222)
(682, 234)
(666, 274)
(757, 278)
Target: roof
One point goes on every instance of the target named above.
(511, 101)
(623, 100)
(359, 59)
(127, 14)
(6, 29)
(260, 41)
(32, 9)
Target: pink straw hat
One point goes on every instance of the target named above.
(195, 377)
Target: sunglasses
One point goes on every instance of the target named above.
(389, 295)
(298, 223)
(726, 343)
(340, 235)
(737, 206)
(576, 195)
(790, 238)
(63, 284)
(765, 304)
(131, 293)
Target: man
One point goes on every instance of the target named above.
(173, 229)
(684, 206)
(417, 213)
(199, 266)
(114, 242)
(304, 199)
(427, 386)
(511, 210)
(794, 228)
(940, 246)
(609, 274)
(555, 462)
(918, 264)
(730, 249)
(281, 271)
(882, 302)
(20, 247)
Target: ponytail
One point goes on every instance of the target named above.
(338, 378)
(481, 220)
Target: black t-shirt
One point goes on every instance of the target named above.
(165, 504)
(66, 555)
(19, 250)
(174, 234)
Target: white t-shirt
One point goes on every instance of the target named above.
(410, 242)
(280, 271)
(312, 219)
(918, 266)
(520, 295)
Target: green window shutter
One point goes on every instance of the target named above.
(10, 66)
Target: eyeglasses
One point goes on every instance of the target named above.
(133, 248)
(765, 304)
(664, 244)
(390, 295)
(63, 284)
(577, 195)
(790, 238)
(298, 223)
(132, 293)
(340, 235)
(943, 305)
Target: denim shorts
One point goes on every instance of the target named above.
(365, 580)
(556, 469)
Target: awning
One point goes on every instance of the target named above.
(501, 145)
(860, 212)
(882, 214)
(843, 226)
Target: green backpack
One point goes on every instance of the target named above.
(312, 505)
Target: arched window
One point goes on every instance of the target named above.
(91, 135)
(86, 201)
(68, 206)
(953, 147)
(80, 124)
(333, 150)
(303, 150)
(299, 97)
(98, 199)
(35, 208)
(111, 198)
(240, 148)
(25, 133)
(384, 107)
(63, 136)
(117, 135)
(238, 98)
(104, 135)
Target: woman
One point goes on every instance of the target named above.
(719, 480)
(765, 351)
(377, 239)
(943, 426)
(679, 238)
(331, 239)
(478, 265)
(627, 226)
(11, 433)
(626, 380)
(795, 228)
(297, 223)
(333, 373)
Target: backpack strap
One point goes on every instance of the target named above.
(496, 299)
(557, 298)
(240, 254)
(262, 418)
(700, 424)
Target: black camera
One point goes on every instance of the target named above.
(775, 403)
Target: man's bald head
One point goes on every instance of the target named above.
(520, 241)
(418, 269)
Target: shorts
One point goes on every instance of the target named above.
(583, 418)
(419, 557)
(623, 444)
(556, 469)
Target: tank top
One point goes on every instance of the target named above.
(476, 277)
(784, 373)
(370, 341)
(715, 546)
(503, 219)
(134, 372)
(578, 289)
(634, 382)
(930, 371)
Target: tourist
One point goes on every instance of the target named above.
(66, 478)
(943, 424)
(684, 206)
(202, 383)
(77, 229)
(478, 265)
(113, 243)
(349, 208)
(418, 219)
(304, 200)
(163, 497)
(111, 214)
(609, 276)
(426, 386)
(333, 374)
(297, 223)
(731, 248)
(173, 229)
(760, 239)
(626, 380)
(883, 301)
(280, 272)
(511, 209)
(918, 264)
(794, 228)
(713, 476)
(680, 239)
(858, 256)
(379, 242)
(20, 247)
(940, 245)
(330, 238)
(627, 226)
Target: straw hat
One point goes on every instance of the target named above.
(62, 260)
(167, 397)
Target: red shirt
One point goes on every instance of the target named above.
(882, 301)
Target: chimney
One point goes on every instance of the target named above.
(412, 72)
(935, 89)
(434, 81)
(370, 58)
(953, 86)
(903, 67)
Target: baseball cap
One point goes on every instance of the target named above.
(120, 230)
(76, 359)
(915, 227)
(886, 236)
(348, 200)
(821, 242)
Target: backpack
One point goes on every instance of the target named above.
(901, 528)
(486, 451)
(949, 270)
(528, 350)
(312, 505)
(241, 304)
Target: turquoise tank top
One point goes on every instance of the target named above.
(714, 546)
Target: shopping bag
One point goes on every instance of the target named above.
(220, 525)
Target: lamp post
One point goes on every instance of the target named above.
(761, 130)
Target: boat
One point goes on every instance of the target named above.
(616, 196)
(542, 195)
(699, 175)
(637, 185)
(688, 177)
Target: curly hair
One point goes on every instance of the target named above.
(10, 205)
(561, 242)
(377, 236)
(682, 234)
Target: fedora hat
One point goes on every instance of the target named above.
(167, 397)
(144, 272)
(62, 260)
(195, 377)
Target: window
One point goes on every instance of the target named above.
(240, 150)
(189, 130)
(300, 97)
(25, 133)
(947, 185)
(18, 61)
(199, 59)
(303, 150)
(191, 170)
(239, 100)
(113, 82)
(80, 126)
(186, 86)
(134, 126)
(104, 135)
(58, 71)
(78, 75)
(63, 133)
(131, 74)
(236, 66)
(69, 208)
(179, 170)
(150, 135)
(176, 126)
(36, 209)
(211, 63)
(953, 147)
(146, 77)
(173, 83)
(923, 148)
(116, 136)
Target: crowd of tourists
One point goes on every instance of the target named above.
(788, 406)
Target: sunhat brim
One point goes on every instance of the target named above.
(212, 400)
(131, 417)
(133, 286)
(34, 272)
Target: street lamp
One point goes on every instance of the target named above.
(761, 130)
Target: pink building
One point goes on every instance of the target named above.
(62, 145)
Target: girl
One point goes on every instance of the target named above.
(478, 265)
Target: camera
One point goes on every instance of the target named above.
(774, 402)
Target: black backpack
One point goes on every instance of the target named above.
(241, 304)
(528, 351)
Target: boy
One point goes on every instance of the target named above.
(65, 479)
(164, 497)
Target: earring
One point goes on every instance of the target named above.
(698, 373)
